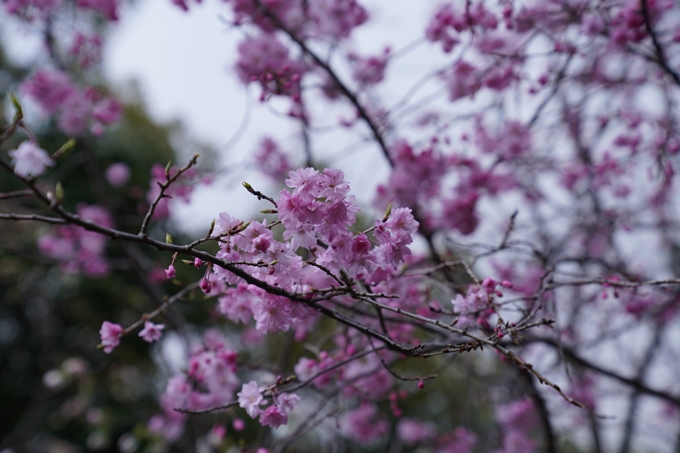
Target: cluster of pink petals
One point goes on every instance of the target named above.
(265, 59)
(517, 419)
(412, 431)
(363, 425)
(77, 249)
(30, 160)
(251, 399)
(336, 18)
(118, 174)
(448, 22)
(271, 161)
(107, 8)
(87, 50)
(151, 332)
(288, 12)
(628, 26)
(415, 177)
(465, 79)
(316, 216)
(460, 441)
(27, 8)
(307, 369)
(367, 71)
(475, 300)
(110, 336)
(478, 301)
(78, 110)
(210, 381)
(420, 180)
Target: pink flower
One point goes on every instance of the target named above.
(362, 424)
(273, 416)
(110, 334)
(518, 415)
(30, 160)
(270, 160)
(360, 244)
(171, 272)
(461, 441)
(288, 401)
(118, 174)
(75, 113)
(265, 59)
(415, 431)
(369, 70)
(239, 424)
(86, 49)
(475, 300)
(22, 7)
(250, 398)
(336, 18)
(151, 332)
(49, 88)
(463, 80)
(107, 8)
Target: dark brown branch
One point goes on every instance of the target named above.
(16, 194)
(164, 187)
(34, 217)
(634, 383)
(661, 58)
(336, 80)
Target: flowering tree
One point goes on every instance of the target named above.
(519, 263)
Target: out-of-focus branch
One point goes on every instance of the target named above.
(169, 179)
(660, 55)
(344, 89)
(634, 383)
(34, 217)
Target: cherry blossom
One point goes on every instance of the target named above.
(110, 335)
(151, 332)
(30, 160)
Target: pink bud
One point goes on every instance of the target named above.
(206, 286)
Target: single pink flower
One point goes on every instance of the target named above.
(110, 334)
(30, 160)
(118, 174)
(151, 332)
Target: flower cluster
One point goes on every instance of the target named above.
(251, 399)
(271, 161)
(30, 160)
(265, 59)
(77, 249)
(29, 8)
(368, 71)
(363, 425)
(210, 381)
(517, 419)
(78, 110)
(336, 19)
(110, 335)
(448, 23)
